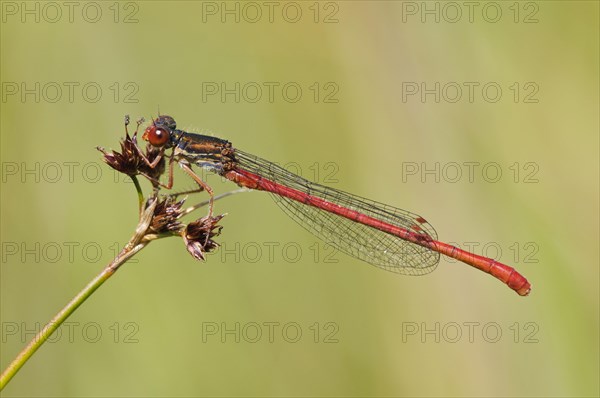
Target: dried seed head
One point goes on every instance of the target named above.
(198, 235)
(166, 216)
(129, 161)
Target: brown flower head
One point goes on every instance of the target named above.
(198, 235)
(130, 162)
(166, 216)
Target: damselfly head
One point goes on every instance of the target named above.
(165, 121)
(158, 134)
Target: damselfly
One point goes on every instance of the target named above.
(387, 237)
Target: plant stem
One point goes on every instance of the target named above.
(140, 194)
(135, 244)
(140, 239)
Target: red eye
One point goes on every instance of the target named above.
(156, 136)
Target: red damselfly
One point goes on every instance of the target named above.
(387, 237)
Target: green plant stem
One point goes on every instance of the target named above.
(71, 306)
(135, 244)
(140, 194)
(138, 241)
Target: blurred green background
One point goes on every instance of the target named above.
(167, 325)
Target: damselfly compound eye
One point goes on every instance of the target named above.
(156, 136)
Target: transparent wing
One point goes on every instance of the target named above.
(358, 240)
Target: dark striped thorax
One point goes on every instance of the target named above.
(204, 151)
